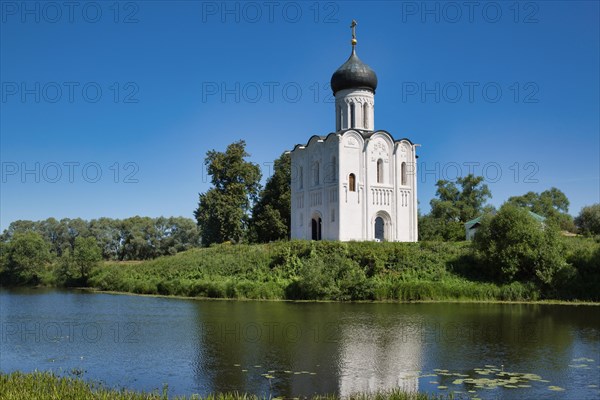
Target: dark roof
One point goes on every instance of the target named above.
(353, 74)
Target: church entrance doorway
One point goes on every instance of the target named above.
(316, 228)
(379, 229)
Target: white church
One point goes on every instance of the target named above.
(356, 183)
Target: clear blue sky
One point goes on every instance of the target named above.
(169, 74)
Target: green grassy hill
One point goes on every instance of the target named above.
(315, 271)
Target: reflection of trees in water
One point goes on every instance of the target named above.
(509, 334)
(275, 335)
(366, 347)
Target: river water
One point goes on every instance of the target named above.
(490, 351)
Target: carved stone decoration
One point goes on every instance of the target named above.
(352, 142)
(403, 149)
(378, 151)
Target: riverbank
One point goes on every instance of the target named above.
(463, 301)
(336, 271)
(46, 385)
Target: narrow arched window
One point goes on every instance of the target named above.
(300, 178)
(339, 118)
(403, 173)
(352, 183)
(380, 171)
(366, 115)
(352, 115)
(316, 173)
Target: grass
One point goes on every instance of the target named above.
(46, 385)
(343, 271)
(304, 270)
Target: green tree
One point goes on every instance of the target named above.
(26, 257)
(271, 215)
(456, 203)
(588, 220)
(140, 239)
(135, 238)
(512, 245)
(54, 233)
(177, 234)
(19, 226)
(438, 229)
(86, 256)
(108, 235)
(551, 203)
(75, 265)
(223, 211)
(74, 228)
(460, 204)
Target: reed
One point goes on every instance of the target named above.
(46, 385)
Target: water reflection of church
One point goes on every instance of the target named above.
(373, 359)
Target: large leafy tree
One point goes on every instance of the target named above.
(107, 232)
(176, 234)
(460, 201)
(437, 229)
(25, 258)
(271, 215)
(86, 256)
(588, 220)
(456, 203)
(76, 265)
(551, 203)
(134, 238)
(514, 245)
(223, 211)
(140, 239)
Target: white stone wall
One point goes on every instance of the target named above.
(352, 203)
(346, 214)
(315, 188)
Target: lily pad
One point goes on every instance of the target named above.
(583, 359)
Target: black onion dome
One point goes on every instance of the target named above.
(353, 74)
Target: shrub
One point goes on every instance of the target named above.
(25, 259)
(512, 245)
(588, 220)
(314, 281)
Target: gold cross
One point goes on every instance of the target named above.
(353, 26)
